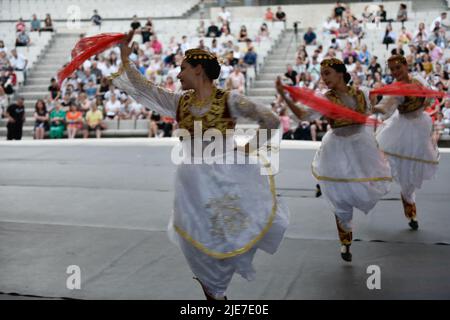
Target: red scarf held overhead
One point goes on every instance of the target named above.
(407, 90)
(86, 48)
(335, 111)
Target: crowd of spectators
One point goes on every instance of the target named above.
(347, 33)
(12, 61)
(87, 98)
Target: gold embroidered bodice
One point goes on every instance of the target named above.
(411, 104)
(361, 106)
(217, 117)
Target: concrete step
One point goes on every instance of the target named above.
(277, 61)
(262, 91)
(263, 84)
(287, 41)
(44, 74)
(276, 69)
(267, 76)
(47, 64)
(34, 80)
(285, 46)
(28, 121)
(56, 56)
(56, 48)
(29, 104)
(280, 50)
(57, 62)
(34, 88)
(34, 95)
(277, 64)
(46, 68)
(64, 42)
(266, 100)
(284, 57)
(26, 131)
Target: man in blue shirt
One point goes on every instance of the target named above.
(310, 37)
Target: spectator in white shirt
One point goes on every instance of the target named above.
(439, 22)
(113, 107)
(226, 36)
(107, 69)
(446, 111)
(236, 80)
(110, 92)
(225, 71)
(353, 39)
(314, 69)
(2, 47)
(300, 66)
(350, 65)
(215, 48)
(184, 44)
(224, 16)
(137, 110)
(330, 26)
(18, 61)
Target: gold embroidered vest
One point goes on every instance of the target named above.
(217, 117)
(360, 106)
(411, 103)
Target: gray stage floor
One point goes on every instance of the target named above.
(104, 206)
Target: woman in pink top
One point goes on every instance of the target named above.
(156, 45)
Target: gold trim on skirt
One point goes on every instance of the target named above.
(249, 245)
(410, 158)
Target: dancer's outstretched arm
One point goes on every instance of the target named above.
(142, 90)
(299, 112)
(389, 104)
(242, 107)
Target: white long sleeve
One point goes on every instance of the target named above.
(389, 104)
(146, 92)
(242, 107)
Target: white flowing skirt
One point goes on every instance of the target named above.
(351, 170)
(407, 141)
(222, 214)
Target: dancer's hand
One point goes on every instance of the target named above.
(279, 86)
(125, 50)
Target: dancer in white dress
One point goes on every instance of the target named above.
(222, 213)
(406, 138)
(352, 171)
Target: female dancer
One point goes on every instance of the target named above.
(352, 171)
(222, 213)
(406, 138)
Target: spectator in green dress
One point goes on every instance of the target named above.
(57, 122)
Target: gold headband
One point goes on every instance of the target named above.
(397, 59)
(199, 54)
(331, 62)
